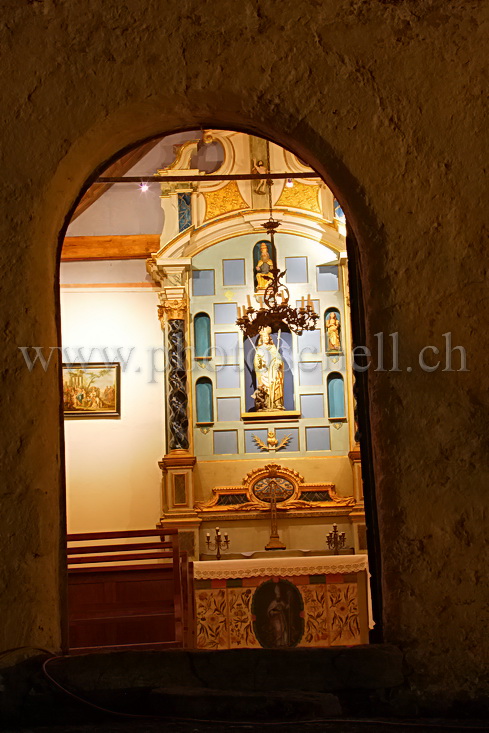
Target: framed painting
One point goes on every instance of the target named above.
(92, 390)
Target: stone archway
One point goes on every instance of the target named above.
(50, 510)
(365, 431)
(347, 88)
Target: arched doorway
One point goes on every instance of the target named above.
(219, 220)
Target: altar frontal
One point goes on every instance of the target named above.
(281, 602)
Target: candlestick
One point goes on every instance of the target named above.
(219, 543)
(336, 540)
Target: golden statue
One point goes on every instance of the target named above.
(333, 331)
(269, 369)
(265, 264)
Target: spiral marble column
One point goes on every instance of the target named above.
(177, 422)
(178, 463)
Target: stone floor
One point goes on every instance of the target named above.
(345, 690)
(360, 726)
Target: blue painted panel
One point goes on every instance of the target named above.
(203, 282)
(205, 407)
(310, 373)
(227, 377)
(296, 269)
(202, 334)
(228, 408)
(327, 277)
(225, 442)
(233, 272)
(250, 445)
(336, 395)
(227, 347)
(309, 342)
(225, 313)
(318, 439)
(293, 444)
(312, 405)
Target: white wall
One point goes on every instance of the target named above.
(113, 479)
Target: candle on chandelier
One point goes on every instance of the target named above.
(249, 301)
(302, 302)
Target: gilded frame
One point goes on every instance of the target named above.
(91, 390)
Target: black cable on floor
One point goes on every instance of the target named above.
(357, 721)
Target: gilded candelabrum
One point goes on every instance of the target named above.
(336, 540)
(275, 310)
(218, 543)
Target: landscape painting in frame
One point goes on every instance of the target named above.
(91, 390)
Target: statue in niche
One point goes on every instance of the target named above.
(333, 332)
(260, 186)
(269, 369)
(263, 267)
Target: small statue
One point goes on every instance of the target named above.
(333, 331)
(260, 186)
(260, 396)
(265, 264)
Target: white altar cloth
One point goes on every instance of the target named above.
(263, 566)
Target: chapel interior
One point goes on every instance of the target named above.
(231, 414)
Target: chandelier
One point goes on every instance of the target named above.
(274, 311)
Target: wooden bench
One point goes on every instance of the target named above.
(135, 594)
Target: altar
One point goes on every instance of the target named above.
(277, 602)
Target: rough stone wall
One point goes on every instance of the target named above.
(386, 99)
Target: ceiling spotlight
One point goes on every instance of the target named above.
(289, 183)
(143, 187)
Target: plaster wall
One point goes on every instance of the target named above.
(297, 534)
(387, 100)
(112, 477)
(334, 469)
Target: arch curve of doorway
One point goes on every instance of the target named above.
(352, 243)
(126, 129)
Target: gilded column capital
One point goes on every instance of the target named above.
(173, 309)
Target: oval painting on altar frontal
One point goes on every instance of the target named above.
(278, 614)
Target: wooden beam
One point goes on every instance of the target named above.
(206, 177)
(113, 247)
